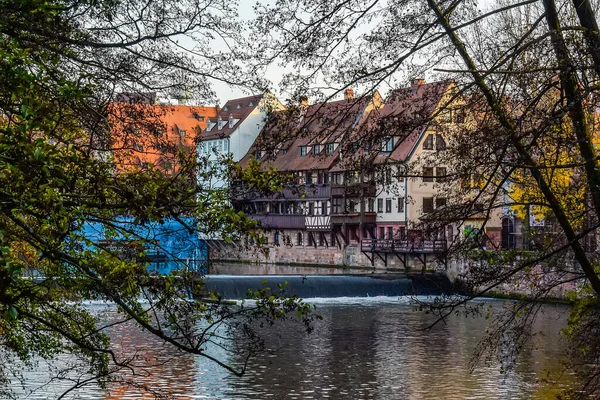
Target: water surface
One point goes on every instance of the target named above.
(376, 348)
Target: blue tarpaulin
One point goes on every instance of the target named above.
(169, 246)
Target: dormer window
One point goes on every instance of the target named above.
(258, 154)
(316, 149)
(231, 123)
(221, 123)
(303, 150)
(182, 133)
(238, 106)
(209, 125)
(251, 104)
(226, 108)
(330, 148)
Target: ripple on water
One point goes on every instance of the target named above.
(374, 348)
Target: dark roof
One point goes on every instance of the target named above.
(287, 131)
(406, 113)
(246, 106)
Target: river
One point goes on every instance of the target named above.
(365, 348)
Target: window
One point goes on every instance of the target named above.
(299, 239)
(251, 104)
(336, 205)
(382, 233)
(311, 208)
(302, 151)
(226, 145)
(330, 148)
(379, 205)
(316, 149)
(400, 175)
(258, 154)
(309, 177)
(201, 118)
(324, 207)
(387, 145)
(182, 132)
(427, 205)
(440, 143)
(390, 232)
(226, 108)
(400, 204)
(238, 106)
(459, 115)
(387, 176)
(321, 177)
(440, 202)
(388, 205)
(427, 174)
(337, 178)
(318, 208)
(321, 239)
(261, 207)
(428, 143)
(352, 206)
(402, 233)
(440, 173)
(276, 239)
(370, 205)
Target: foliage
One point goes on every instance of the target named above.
(527, 72)
(61, 63)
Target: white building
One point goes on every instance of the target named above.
(231, 134)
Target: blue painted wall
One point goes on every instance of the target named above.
(174, 247)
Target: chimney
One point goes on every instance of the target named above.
(416, 83)
(217, 108)
(348, 94)
(303, 101)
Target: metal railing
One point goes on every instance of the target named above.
(402, 246)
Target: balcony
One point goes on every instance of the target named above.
(402, 246)
(367, 189)
(289, 192)
(353, 218)
(280, 221)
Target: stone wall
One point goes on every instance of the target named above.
(348, 256)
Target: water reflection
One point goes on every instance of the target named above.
(372, 350)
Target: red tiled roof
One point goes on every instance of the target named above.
(154, 129)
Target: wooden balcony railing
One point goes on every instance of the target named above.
(280, 221)
(289, 192)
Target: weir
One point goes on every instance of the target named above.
(330, 286)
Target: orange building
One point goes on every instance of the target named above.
(146, 135)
